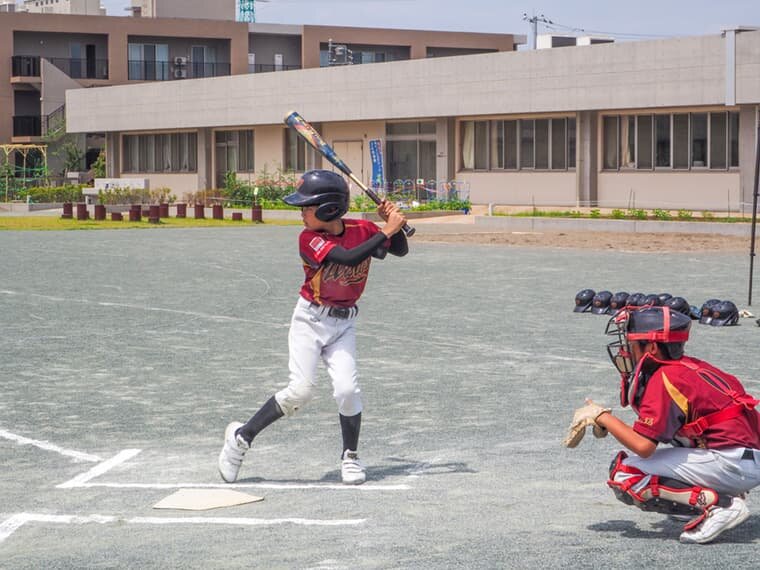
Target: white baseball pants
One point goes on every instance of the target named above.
(315, 336)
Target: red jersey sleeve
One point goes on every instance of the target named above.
(662, 410)
(314, 247)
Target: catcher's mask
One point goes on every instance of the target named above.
(661, 325)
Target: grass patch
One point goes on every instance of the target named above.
(49, 223)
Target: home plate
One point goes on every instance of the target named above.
(205, 499)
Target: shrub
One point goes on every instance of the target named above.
(637, 214)
(595, 213)
(57, 194)
(661, 214)
(617, 214)
(685, 215)
(708, 215)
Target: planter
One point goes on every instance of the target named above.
(256, 214)
(135, 212)
(82, 211)
(181, 210)
(237, 216)
(100, 212)
(68, 211)
(199, 212)
(217, 212)
(163, 210)
(154, 214)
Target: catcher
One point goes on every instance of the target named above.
(703, 413)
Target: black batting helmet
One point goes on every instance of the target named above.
(679, 304)
(324, 189)
(601, 302)
(583, 300)
(617, 302)
(706, 311)
(724, 314)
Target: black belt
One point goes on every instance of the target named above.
(337, 312)
(749, 454)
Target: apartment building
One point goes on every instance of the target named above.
(652, 124)
(45, 55)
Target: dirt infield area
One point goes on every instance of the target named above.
(662, 242)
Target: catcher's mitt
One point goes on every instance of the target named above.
(585, 416)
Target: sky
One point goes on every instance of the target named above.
(630, 20)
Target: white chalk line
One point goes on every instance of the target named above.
(279, 486)
(21, 440)
(99, 469)
(194, 314)
(12, 524)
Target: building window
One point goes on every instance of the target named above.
(299, 157)
(644, 142)
(148, 62)
(170, 152)
(680, 141)
(234, 153)
(410, 150)
(540, 144)
(662, 141)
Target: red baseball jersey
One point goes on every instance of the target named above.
(676, 395)
(331, 283)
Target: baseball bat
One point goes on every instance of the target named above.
(315, 140)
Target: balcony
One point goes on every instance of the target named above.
(25, 66)
(146, 70)
(27, 126)
(81, 68)
(268, 67)
(29, 66)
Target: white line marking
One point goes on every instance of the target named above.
(12, 524)
(282, 486)
(21, 440)
(245, 521)
(99, 469)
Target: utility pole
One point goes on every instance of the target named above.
(533, 21)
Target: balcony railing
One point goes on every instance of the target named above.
(27, 126)
(81, 68)
(267, 67)
(146, 70)
(25, 66)
(29, 66)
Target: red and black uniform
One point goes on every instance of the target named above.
(681, 392)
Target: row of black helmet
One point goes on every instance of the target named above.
(712, 312)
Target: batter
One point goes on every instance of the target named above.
(336, 255)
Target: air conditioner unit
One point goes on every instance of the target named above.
(179, 60)
(180, 73)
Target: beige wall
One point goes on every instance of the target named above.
(717, 191)
(521, 188)
(201, 9)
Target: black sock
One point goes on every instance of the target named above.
(349, 427)
(267, 414)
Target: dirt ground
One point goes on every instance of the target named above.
(597, 240)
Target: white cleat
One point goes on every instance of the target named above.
(717, 521)
(352, 470)
(231, 457)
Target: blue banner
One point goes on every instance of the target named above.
(376, 154)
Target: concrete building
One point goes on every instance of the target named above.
(78, 7)
(193, 9)
(45, 55)
(657, 124)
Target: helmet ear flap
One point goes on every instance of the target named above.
(329, 211)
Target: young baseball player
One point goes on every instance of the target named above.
(336, 254)
(703, 413)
